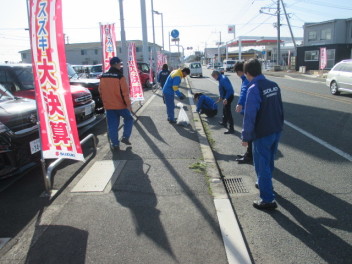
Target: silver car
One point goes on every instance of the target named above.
(339, 78)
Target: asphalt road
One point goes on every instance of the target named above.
(312, 180)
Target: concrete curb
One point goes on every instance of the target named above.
(235, 246)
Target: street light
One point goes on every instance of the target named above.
(162, 24)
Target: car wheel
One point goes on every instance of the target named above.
(334, 88)
(147, 84)
(201, 76)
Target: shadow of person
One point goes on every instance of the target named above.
(134, 191)
(58, 244)
(313, 230)
(149, 124)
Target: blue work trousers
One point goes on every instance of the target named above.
(113, 120)
(170, 106)
(264, 150)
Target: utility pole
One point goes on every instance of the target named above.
(154, 49)
(278, 32)
(219, 49)
(144, 32)
(289, 25)
(123, 42)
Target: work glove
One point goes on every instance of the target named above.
(180, 95)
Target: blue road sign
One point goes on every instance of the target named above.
(175, 33)
(263, 52)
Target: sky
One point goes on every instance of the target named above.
(198, 21)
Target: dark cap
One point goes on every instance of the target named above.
(114, 60)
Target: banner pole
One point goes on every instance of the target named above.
(47, 183)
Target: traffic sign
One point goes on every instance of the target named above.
(175, 33)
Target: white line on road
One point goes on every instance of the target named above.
(316, 139)
(320, 141)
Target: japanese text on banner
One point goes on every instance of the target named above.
(58, 129)
(136, 90)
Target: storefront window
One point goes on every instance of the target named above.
(311, 55)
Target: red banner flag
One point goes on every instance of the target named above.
(136, 90)
(58, 129)
(151, 75)
(323, 59)
(160, 62)
(108, 41)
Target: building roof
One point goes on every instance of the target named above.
(94, 45)
(327, 21)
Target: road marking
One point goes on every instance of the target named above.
(320, 141)
(340, 100)
(309, 135)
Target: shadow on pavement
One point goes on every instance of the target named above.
(134, 191)
(58, 244)
(314, 232)
(148, 123)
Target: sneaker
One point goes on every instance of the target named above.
(264, 206)
(114, 147)
(223, 124)
(230, 131)
(125, 141)
(173, 121)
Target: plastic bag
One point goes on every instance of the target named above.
(182, 118)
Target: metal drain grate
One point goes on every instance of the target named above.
(234, 185)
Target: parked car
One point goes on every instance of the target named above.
(95, 71)
(195, 69)
(91, 84)
(18, 79)
(339, 78)
(19, 135)
(221, 70)
(144, 70)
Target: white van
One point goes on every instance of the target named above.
(196, 69)
(229, 65)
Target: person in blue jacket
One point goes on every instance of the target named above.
(170, 89)
(248, 156)
(226, 96)
(163, 74)
(205, 105)
(263, 122)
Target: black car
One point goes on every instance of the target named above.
(19, 135)
(91, 84)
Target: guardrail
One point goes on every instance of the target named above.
(47, 173)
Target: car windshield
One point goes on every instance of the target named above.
(25, 76)
(71, 72)
(195, 65)
(97, 68)
(230, 62)
(5, 94)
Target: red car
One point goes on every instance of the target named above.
(18, 78)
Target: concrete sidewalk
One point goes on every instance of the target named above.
(156, 207)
